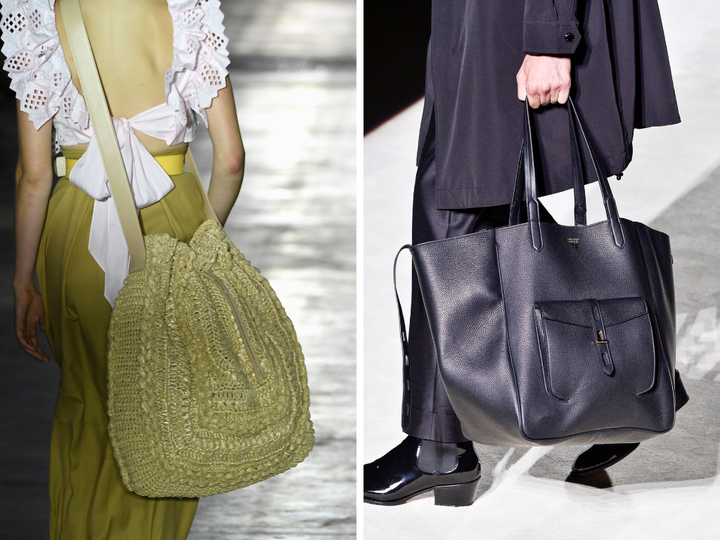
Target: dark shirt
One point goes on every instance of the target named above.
(621, 80)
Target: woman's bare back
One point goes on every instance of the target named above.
(132, 41)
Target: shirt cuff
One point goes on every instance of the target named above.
(550, 38)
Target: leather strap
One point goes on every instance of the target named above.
(401, 315)
(601, 340)
(192, 167)
(611, 210)
(528, 178)
(517, 192)
(580, 210)
(531, 196)
(105, 132)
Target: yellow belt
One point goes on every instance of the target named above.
(171, 164)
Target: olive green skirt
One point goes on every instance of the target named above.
(87, 497)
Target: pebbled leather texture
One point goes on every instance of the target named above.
(511, 315)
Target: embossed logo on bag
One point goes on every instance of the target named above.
(574, 242)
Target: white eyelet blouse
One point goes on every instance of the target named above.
(41, 79)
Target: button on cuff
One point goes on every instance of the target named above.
(550, 38)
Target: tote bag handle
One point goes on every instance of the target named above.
(526, 182)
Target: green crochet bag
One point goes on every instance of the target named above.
(207, 385)
(206, 379)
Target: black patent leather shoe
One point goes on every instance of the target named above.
(396, 477)
(601, 456)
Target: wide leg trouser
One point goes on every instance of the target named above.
(426, 410)
(88, 500)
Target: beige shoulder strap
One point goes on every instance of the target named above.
(105, 133)
(192, 167)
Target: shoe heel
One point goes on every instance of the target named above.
(457, 495)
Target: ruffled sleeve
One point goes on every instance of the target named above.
(39, 74)
(200, 58)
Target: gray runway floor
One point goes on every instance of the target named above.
(295, 220)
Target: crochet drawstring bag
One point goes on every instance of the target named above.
(207, 384)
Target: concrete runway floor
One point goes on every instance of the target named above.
(295, 220)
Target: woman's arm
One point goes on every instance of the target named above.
(228, 153)
(33, 182)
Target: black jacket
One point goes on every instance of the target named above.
(621, 80)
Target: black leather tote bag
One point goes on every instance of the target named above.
(550, 334)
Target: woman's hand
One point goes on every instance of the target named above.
(29, 312)
(544, 80)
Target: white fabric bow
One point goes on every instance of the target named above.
(148, 182)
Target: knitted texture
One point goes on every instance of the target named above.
(207, 383)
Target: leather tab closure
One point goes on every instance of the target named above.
(601, 340)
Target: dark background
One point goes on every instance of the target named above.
(27, 387)
(396, 35)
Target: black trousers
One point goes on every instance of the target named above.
(426, 410)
